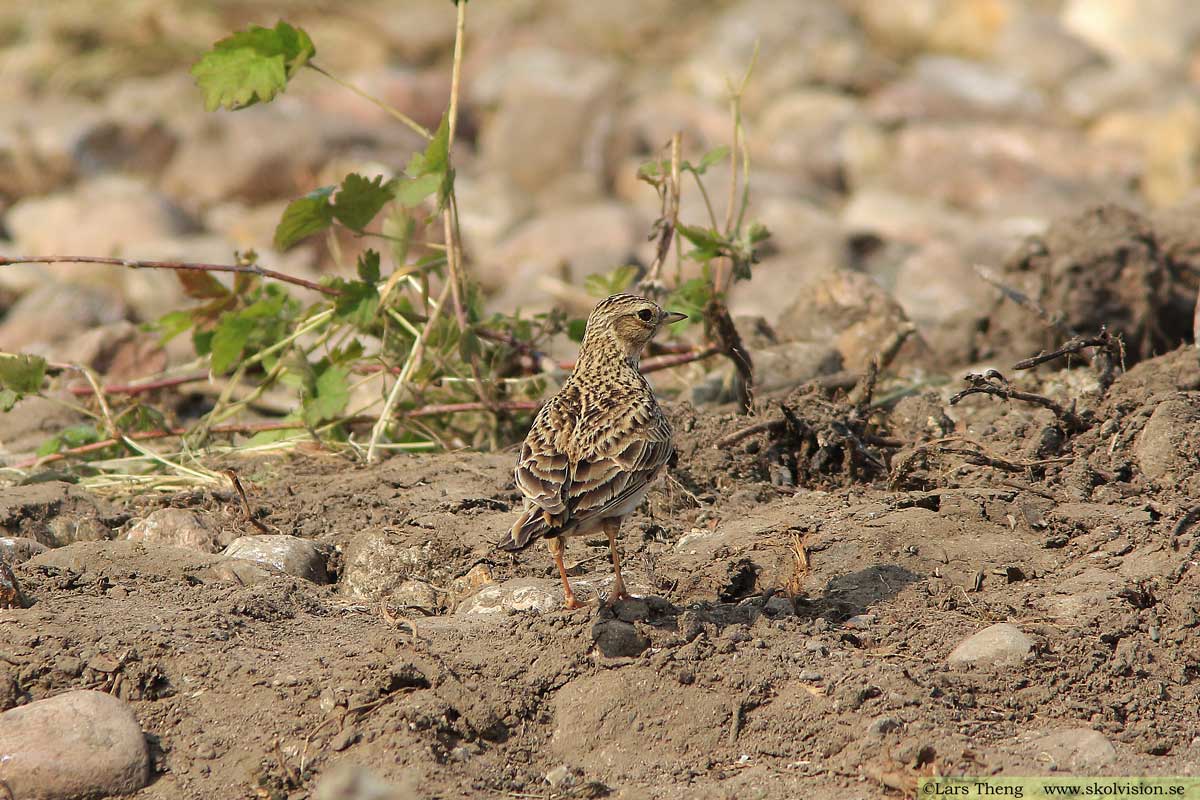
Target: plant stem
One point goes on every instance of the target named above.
(179, 266)
(420, 129)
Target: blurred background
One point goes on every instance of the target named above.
(905, 141)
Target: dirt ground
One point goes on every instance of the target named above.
(791, 641)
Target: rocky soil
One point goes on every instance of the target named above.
(866, 588)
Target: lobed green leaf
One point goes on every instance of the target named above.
(251, 66)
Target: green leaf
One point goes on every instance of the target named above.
(229, 339)
(251, 65)
(304, 217)
(709, 244)
(368, 266)
(171, 325)
(357, 304)
(331, 393)
(359, 200)
(710, 158)
(277, 435)
(412, 192)
(436, 158)
(8, 399)
(468, 346)
(22, 373)
(399, 227)
(74, 436)
(615, 282)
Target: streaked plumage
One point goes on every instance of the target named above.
(599, 444)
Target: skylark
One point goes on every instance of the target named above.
(599, 444)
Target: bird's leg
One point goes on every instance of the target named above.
(611, 526)
(557, 548)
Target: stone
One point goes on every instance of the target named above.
(847, 310)
(236, 570)
(39, 142)
(1074, 750)
(70, 528)
(353, 782)
(292, 555)
(101, 216)
(948, 88)
(519, 594)
(553, 114)
(618, 639)
(997, 644)
(1168, 140)
(77, 309)
(376, 564)
(967, 28)
(119, 351)
(258, 154)
(1166, 448)
(529, 267)
(417, 594)
(1037, 49)
(17, 549)
(1158, 33)
(177, 527)
(801, 131)
(76, 744)
(798, 44)
(881, 726)
(776, 367)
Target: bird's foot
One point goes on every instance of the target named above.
(617, 597)
(572, 602)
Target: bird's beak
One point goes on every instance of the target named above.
(671, 317)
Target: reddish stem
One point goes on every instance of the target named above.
(182, 266)
(139, 388)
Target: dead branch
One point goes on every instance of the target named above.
(995, 384)
(724, 333)
(178, 266)
(144, 386)
(972, 451)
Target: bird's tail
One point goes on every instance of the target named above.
(532, 524)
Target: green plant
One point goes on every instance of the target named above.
(402, 354)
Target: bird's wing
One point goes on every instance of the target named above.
(623, 459)
(543, 468)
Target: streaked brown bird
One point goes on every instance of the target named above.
(599, 444)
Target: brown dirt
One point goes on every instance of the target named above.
(744, 690)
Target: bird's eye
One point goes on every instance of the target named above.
(645, 315)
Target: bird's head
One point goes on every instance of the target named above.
(628, 322)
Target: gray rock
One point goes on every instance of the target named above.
(288, 554)
(521, 594)
(76, 309)
(617, 639)
(39, 142)
(1076, 749)
(70, 528)
(178, 527)
(552, 120)
(944, 87)
(101, 216)
(1166, 449)
(17, 549)
(415, 593)
(776, 367)
(353, 782)
(881, 726)
(847, 310)
(376, 564)
(996, 644)
(76, 744)
(1130, 31)
(256, 155)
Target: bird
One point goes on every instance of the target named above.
(599, 444)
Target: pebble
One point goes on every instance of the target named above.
(10, 590)
(18, 549)
(292, 555)
(810, 675)
(1076, 749)
(1001, 643)
(884, 725)
(376, 564)
(520, 594)
(177, 527)
(76, 744)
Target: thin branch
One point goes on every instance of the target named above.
(179, 266)
(457, 408)
(1024, 301)
(656, 363)
(420, 129)
(994, 384)
(141, 387)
